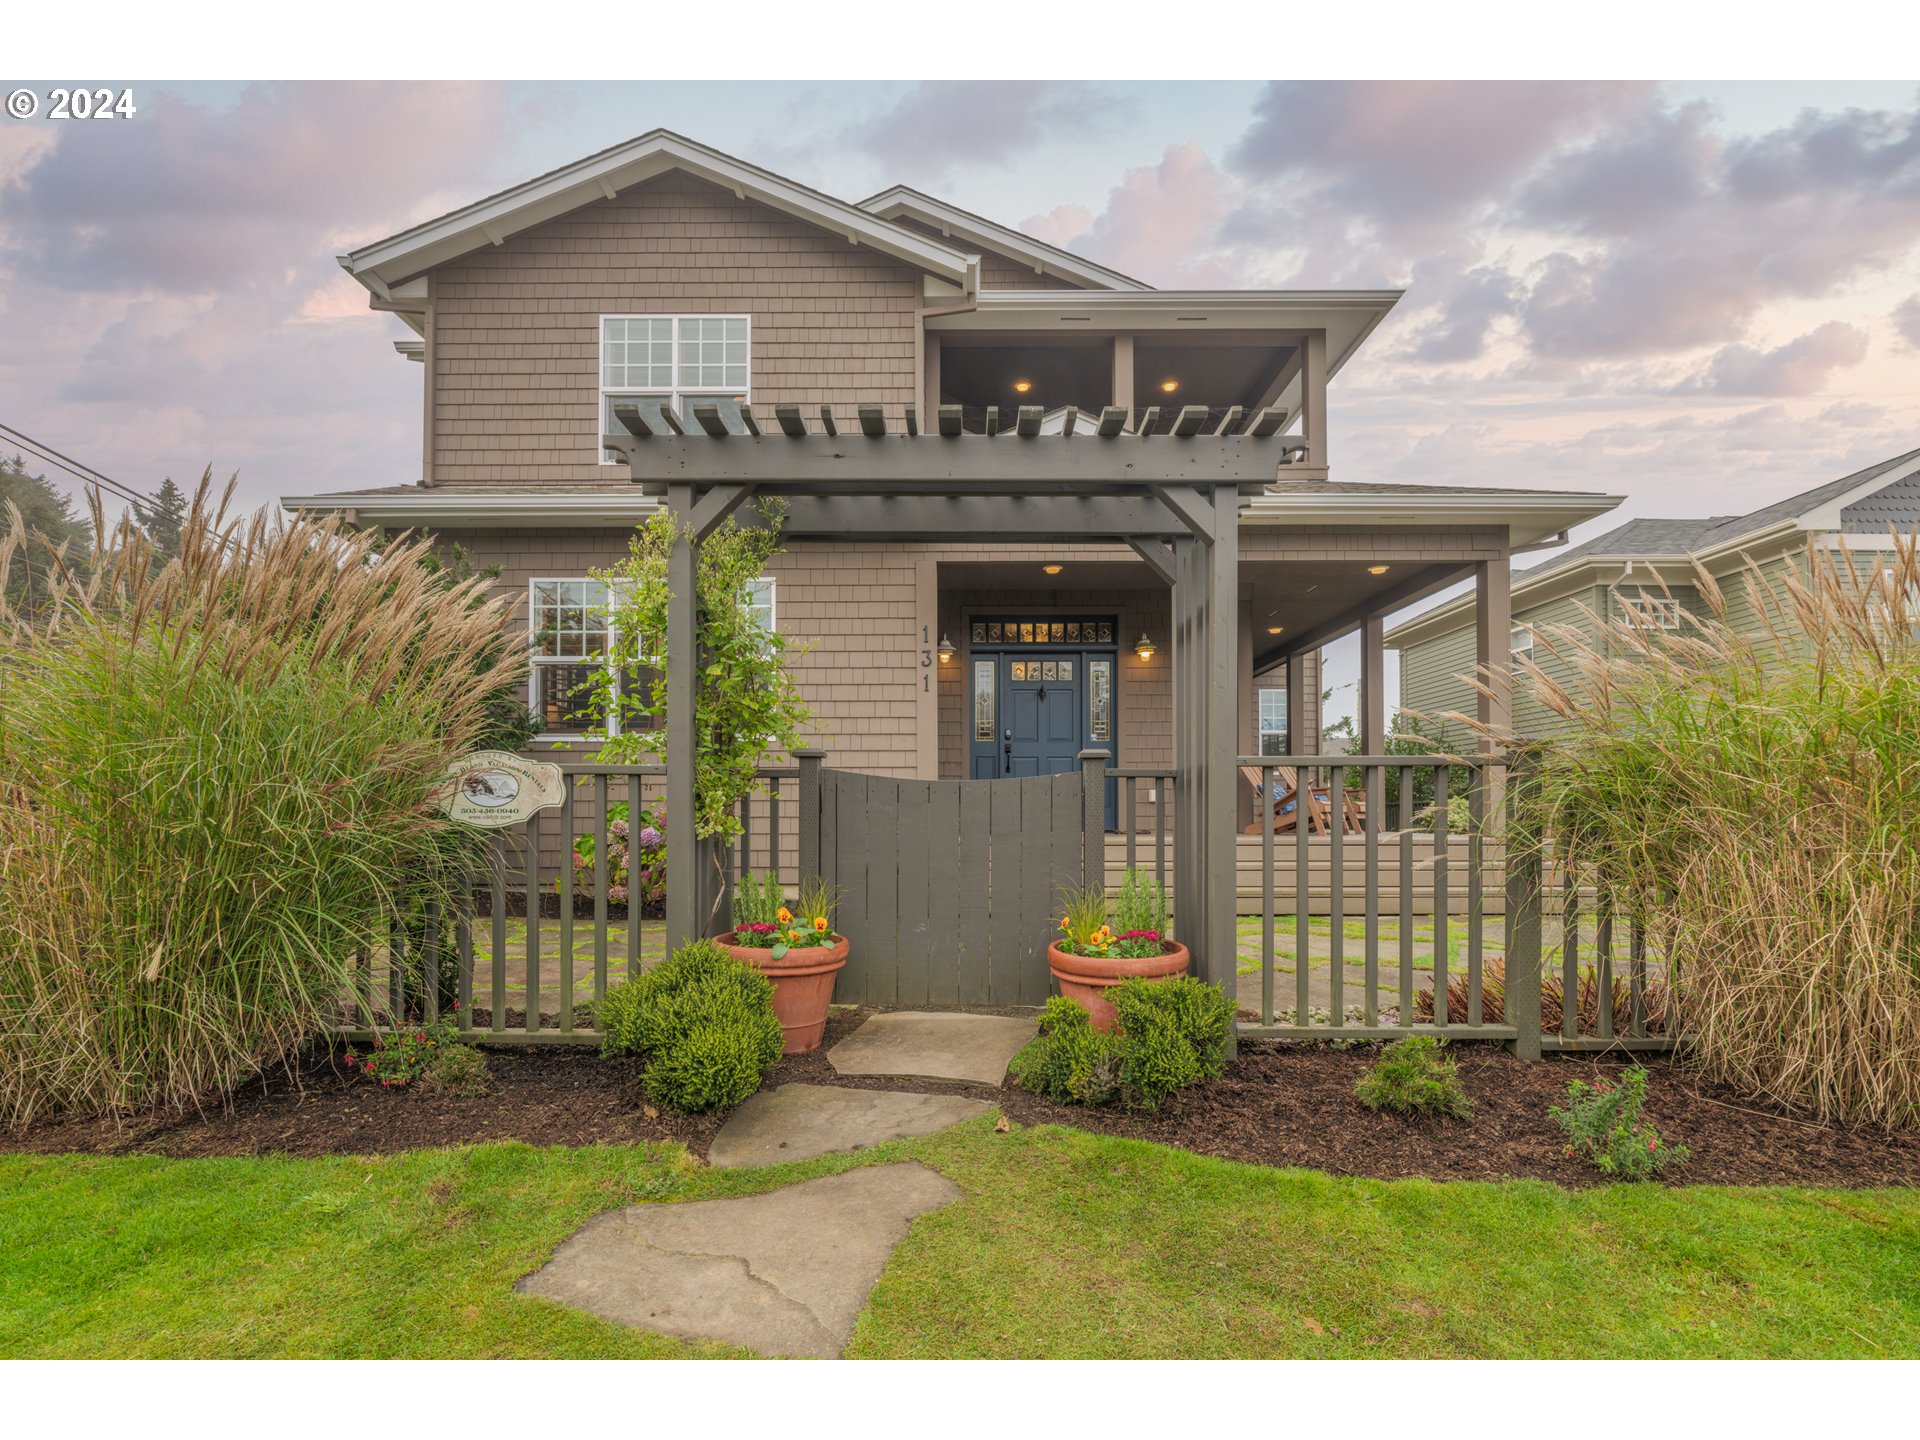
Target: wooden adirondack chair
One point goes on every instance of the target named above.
(1284, 811)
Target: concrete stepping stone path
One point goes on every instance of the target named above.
(798, 1122)
(783, 1274)
(934, 1045)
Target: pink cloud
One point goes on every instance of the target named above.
(1159, 222)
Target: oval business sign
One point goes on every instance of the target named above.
(496, 788)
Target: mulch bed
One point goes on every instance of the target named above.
(1278, 1104)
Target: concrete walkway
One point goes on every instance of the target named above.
(784, 1273)
(934, 1045)
(798, 1122)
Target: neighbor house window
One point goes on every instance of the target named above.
(760, 602)
(1519, 647)
(680, 359)
(1661, 612)
(1273, 722)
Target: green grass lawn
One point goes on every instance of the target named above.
(1065, 1244)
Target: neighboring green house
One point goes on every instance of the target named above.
(1648, 564)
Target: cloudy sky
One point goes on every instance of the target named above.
(1700, 296)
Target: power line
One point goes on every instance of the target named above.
(76, 468)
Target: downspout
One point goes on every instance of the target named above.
(928, 312)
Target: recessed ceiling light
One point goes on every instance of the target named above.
(1021, 387)
(1275, 629)
(1376, 569)
(1051, 569)
(1169, 386)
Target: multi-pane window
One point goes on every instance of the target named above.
(1273, 722)
(679, 359)
(1661, 612)
(568, 621)
(1519, 647)
(572, 633)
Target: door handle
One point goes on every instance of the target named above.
(1007, 735)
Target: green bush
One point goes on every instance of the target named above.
(458, 1070)
(220, 778)
(1171, 1033)
(703, 1022)
(1604, 1128)
(1415, 1075)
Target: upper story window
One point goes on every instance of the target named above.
(682, 359)
(1660, 612)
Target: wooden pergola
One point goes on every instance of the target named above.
(1175, 498)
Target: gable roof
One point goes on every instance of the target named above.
(1866, 501)
(391, 262)
(903, 200)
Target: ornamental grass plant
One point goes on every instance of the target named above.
(217, 786)
(1749, 786)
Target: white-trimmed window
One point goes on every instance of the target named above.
(1273, 722)
(681, 359)
(1658, 612)
(571, 631)
(1519, 647)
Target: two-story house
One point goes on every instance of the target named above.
(664, 275)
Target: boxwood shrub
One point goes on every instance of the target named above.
(1171, 1033)
(702, 1021)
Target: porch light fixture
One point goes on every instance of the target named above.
(1143, 647)
(1050, 569)
(1020, 387)
(1376, 569)
(945, 651)
(1169, 385)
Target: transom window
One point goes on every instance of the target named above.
(681, 359)
(1661, 612)
(1273, 722)
(1042, 632)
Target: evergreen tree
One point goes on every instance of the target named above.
(46, 510)
(163, 518)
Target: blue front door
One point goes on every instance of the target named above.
(1043, 697)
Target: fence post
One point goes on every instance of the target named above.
(809, 823)
(1524, 877)
(1093, 824)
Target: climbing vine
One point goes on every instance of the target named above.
(746, 705)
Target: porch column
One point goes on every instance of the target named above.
(1373, 711)
(1493, 637)
(685, 878)
(1313, 396)
(1298, 742)
(1123, 374)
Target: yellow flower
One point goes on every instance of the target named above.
(820, 923)
(1066, 922)
(783, 915)
(793, 935)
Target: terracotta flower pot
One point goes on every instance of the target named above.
(802, 986)
(1087, 978)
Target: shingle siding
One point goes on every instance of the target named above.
(516, 327)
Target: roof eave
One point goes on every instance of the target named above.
(898, 200)
(604, 175)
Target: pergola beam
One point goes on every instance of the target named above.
(1195, 510)
(1158, 554)
(714, 506)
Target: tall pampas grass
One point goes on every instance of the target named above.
(216, 780)
(1753, 791)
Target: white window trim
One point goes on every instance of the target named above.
(1519, 646)
(671, 393)
(1658, 612)
(535, 660)
(1260, 710)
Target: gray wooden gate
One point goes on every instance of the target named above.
(952, 886)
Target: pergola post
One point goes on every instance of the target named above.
(1221, 746)
(683, 897)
